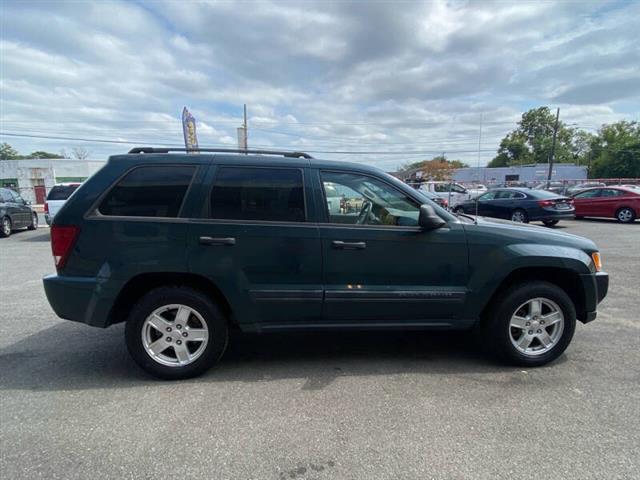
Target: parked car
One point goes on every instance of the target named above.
(15, 213)
(184, 248)
(556, 187)
(520, 205)
(583, 186)
(442, 202)
(610, 202)
(58, 194)
(453, 193)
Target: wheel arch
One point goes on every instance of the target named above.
(566, 279)
(143, 283)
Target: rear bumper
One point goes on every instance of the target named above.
(80, 299)
(595, 287)
(549, 214)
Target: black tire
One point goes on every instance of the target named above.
(519, 211)
(215, 320)
(579, 217)
(34, 221)
(550, 223)
(496, 327)
(626, 215)
(5, 227)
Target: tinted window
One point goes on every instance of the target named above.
(62, 192)
(367, 201)
(489, 195)
(610, 192)
(5, 195)
(149, 192)
(588, 194)
(268, 194)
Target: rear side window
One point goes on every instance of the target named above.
(61, 192)
(154, 191)
(267, 194)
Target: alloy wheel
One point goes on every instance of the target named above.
(536, 326)
(175, 335)
(518, 216)
(625, 215)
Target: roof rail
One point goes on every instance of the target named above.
(219, 150)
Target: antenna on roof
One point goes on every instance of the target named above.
(478, 166)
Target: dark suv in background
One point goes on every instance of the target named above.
(184, 247)
(15, 213)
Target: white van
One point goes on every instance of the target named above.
(454, 193)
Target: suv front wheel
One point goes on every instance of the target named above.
(176, 332)
(531, 325)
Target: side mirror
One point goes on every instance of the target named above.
(428, 219)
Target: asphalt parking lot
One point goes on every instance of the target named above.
(343, 406)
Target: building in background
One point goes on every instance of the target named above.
(33, 178)
(531, 174)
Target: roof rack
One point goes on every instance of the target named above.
(219, 150)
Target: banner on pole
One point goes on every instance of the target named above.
(189, 130)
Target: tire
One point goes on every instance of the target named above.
(34, 221)
(499, 336)
(519, 216)
(5, 227)
(203, 316)
(550, 223)
(579, 217)
(626, 215)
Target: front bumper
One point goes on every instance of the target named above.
(80, 299)
(595, 287)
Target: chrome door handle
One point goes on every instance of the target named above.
(217, 241)
(349, 245)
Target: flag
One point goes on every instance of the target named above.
(189, 130)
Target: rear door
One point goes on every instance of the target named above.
(379, 266)
(254, 240)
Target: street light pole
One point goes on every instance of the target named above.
(553, 148)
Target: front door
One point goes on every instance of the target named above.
(255, 243)
(379, 266)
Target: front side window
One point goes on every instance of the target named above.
(488, 196)
(588, 194)
(263, 194)
(357, 199)
(153, 191)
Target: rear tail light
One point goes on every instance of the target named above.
(46, 207)
(546, 203)
(63, 238)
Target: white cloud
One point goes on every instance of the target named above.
(323, 76)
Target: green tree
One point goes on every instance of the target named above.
(531, 141)
(7, 152)
(615, 151)
(43, 154)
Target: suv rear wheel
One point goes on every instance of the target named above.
(176, 332)
(531, 325)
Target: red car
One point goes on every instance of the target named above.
(613, 202)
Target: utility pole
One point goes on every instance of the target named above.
(242, 132)
(246, 144)
(553, 147)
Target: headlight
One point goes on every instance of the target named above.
(597, 261)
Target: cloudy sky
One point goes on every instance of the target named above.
(405, 80)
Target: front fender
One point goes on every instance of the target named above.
(489, 269)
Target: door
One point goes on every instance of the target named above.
(254, 241)
(379, 266)
(485, 203)
(607, 202)
(41, 193)
(586, 202)
(22, 213)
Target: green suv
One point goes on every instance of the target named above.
(184, 247)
